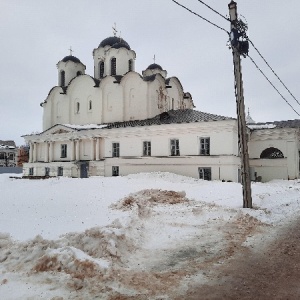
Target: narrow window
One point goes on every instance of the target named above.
(62, 78)
(101, 69)
(204, 146)
(115, 149)
(147, 148)
(63, 151)
(77, 107)
(115, 170)
(113, 66)
(130, 65)
(173, 103)
(47, 171)
(90, 105)
(175, 147)
(204, 173)
(60, 171)
(30, 171)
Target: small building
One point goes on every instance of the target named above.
(8, 153)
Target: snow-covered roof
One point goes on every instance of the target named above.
(87, 126)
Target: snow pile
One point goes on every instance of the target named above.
(148, 236)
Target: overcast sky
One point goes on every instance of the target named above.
(36, 34)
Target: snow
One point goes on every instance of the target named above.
(67, 238)
(87, 126)
(261, 126)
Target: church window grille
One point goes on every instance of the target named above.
(205, 146)
(115, 149)
(63, 151)
(62, 78)
(101, 69)
(174, 147)
(47, 171)
(60, 171)
(115, 170)
(130, 65)
(204, 173)
(271, 153)
(31, 171)
(147, 148)
(113, 66)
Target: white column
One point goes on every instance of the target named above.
(73, 150)
(46, 152)
(77, 152)
(34, 152)
(51, 151)
(92, 149)
(97, 148)
(31, 152)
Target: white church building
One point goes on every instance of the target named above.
(119, 122)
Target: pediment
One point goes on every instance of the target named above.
(58, 129)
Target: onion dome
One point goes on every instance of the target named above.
(71, 58)
(154, 66)
(114, 42)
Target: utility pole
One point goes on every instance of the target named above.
(240, 46)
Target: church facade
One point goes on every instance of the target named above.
(118, 122)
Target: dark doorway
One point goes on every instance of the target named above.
(84, 170)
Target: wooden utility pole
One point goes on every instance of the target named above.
(240, 47)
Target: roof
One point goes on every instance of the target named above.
(114, 42)
(276, 124)
(154, 66)
(8, 143)
(71, 58)
(172, 117)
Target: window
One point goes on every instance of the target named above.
(63, 150)
(2, 155)
(78, 73)
(204, 173)
(147, 148)
(77, 107)
(101, 69)
(47, 171)
(115, 170)
(60, 171)
(90, 105)
(130, 65)
(271, 153)
(175, 147)
(113, 66)
(115, 149)
(30, 171)
(62, 78)
(204, 146)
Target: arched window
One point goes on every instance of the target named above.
(101, 69)
(113, 66)
(90, 105)
(271, 153)
(130, 65)
(62, 78)
(78, 73)
(77, 107)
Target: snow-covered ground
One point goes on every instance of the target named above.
(149, 236)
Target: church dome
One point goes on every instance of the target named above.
(154, 66)
(71, 58)
(114, 42)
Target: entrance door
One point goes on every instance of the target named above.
(84, 170)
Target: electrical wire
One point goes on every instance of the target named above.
(273, 85)
(227, 19)
(273, 71)
(200, 16)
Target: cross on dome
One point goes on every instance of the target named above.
(154, 58)
(71, 51)
(115, 29)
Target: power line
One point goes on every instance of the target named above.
(273, 71)
(273, 85)
(227, 19)
(200, 16)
